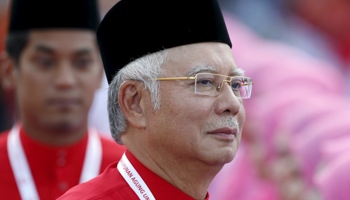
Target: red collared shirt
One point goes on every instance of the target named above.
(54, 169)
(111, 185)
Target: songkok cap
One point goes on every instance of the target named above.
(46, 14)
(135, 28)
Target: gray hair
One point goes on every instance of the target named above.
(141, 69)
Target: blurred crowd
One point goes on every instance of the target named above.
(296, 140)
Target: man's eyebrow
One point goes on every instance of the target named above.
(237, 72)
(198, 69)
(44, 49)
(82, 52)
(50, 50)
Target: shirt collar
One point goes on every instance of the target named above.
(48, 154)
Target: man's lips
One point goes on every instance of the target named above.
(64, 102)
(225, 133)
(228, 131)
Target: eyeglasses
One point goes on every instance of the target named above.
(211, 84)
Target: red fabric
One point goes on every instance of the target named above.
(111, 185)
(54, 169)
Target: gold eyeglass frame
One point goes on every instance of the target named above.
(228, 78)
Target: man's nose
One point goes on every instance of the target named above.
(227, 102)
(65, 77)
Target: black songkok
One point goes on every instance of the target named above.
(134, 28)
(48, 14)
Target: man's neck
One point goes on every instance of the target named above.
(193, 178)
(54, 136)
(190, 176)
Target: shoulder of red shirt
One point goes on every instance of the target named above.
(109, 183)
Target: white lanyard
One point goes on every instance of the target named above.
(93, 157)
(22, 173)
(134, 179)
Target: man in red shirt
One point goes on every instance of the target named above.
(52, 62)
(175, 100)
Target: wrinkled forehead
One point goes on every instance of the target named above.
(213, 57)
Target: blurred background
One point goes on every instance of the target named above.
(318, 27)
(296, 140)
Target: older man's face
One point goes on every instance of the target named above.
(192, 126)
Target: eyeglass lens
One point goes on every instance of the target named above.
(211, 84)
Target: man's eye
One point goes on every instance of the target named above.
(236, 85)
(45, 62)
(205, 82)
(82, 63)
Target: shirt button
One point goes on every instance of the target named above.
(63, 186)
(61, 158)
(61, 154)
(61, 162)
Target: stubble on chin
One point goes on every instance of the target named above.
(63, 125)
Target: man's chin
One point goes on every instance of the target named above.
(220, 158)
(228, 157)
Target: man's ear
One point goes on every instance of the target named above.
(7, 71)
(130, 99)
